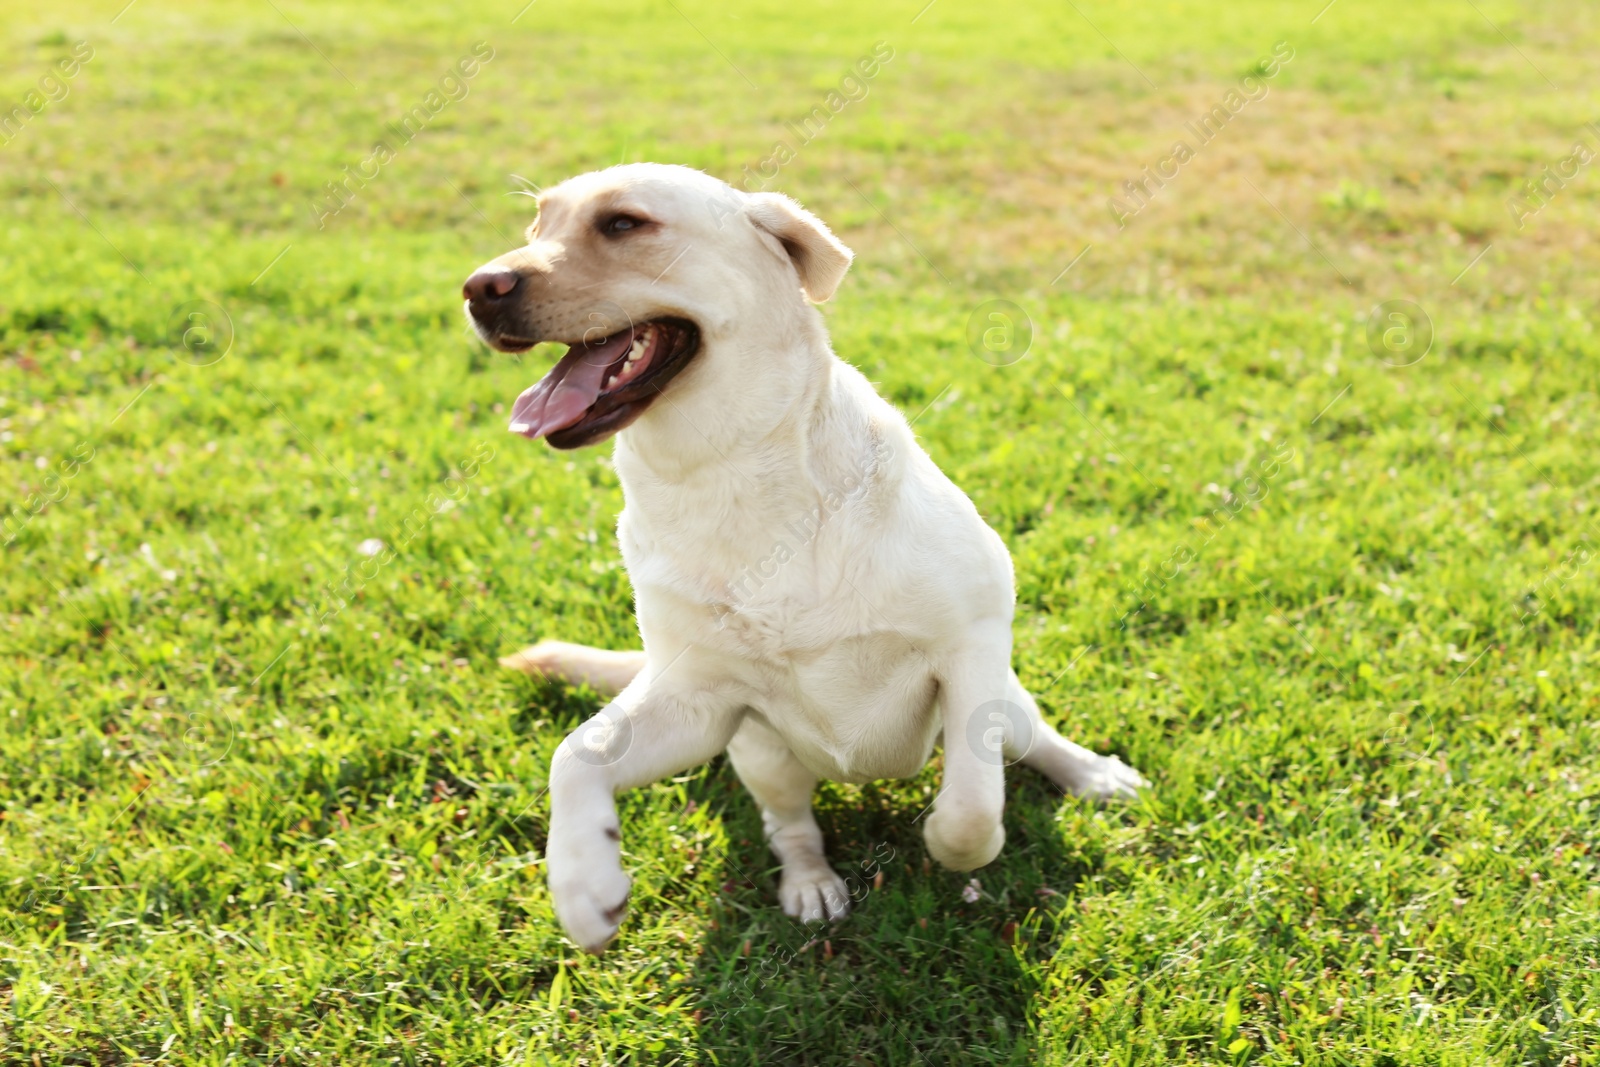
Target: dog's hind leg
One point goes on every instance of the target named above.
(809, 889)
(607, 673)
(1070, 766)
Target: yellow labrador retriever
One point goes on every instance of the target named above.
(815, 597)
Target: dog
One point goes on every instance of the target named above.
(814, 596)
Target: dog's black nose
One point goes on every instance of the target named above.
(490, 283)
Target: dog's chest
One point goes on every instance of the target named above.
(846, 688)
(859, 710)
(746, 581)
(795, 589)
(772, 614)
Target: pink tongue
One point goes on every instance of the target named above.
(560, 398)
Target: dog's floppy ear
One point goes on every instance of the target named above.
(818, 256)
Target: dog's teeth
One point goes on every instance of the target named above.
(635, 352)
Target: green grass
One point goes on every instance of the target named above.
(262, 806)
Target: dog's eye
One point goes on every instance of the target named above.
(613, 225)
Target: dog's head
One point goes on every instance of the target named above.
(645, 271)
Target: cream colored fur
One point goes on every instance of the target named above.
(815, 597)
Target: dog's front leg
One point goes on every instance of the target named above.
(964, 831)
(654, 728)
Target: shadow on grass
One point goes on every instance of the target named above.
(919, 973)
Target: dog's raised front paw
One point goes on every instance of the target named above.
(591, 908)
(813, 893)
(961, 841)
(589, 890)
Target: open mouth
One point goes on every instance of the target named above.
(597, 389)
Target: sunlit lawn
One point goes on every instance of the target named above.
(1331, 589)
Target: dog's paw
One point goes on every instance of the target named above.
(813, 893)
(591, 908)
(589, 891)
(1107, 778)
(959, 841)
